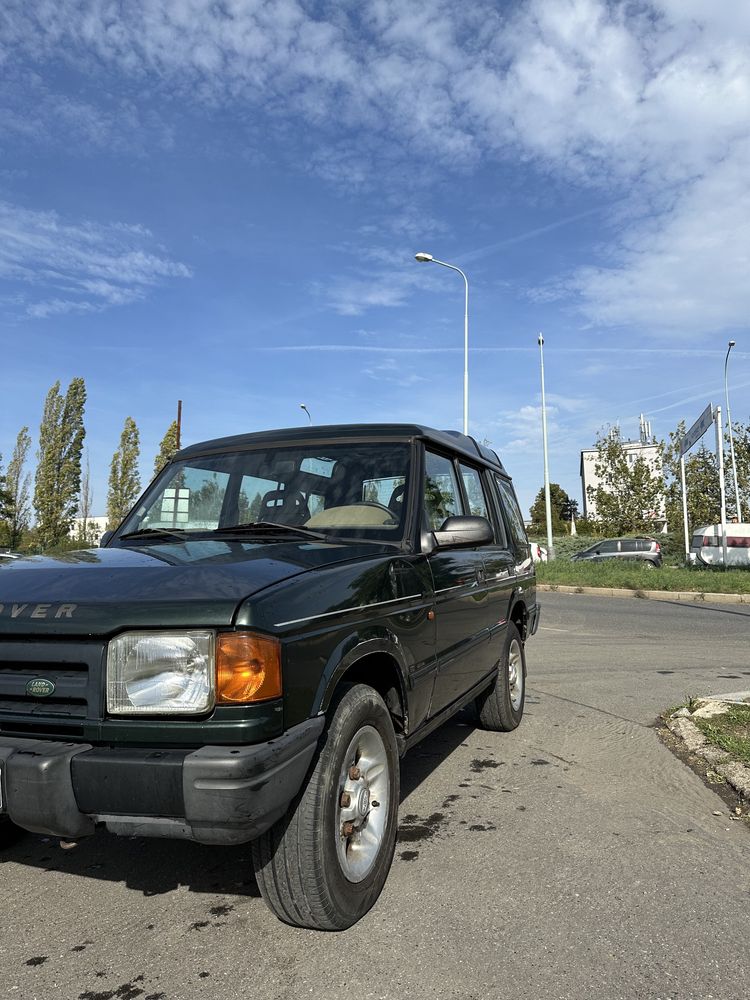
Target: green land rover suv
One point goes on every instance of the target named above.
(279, 619)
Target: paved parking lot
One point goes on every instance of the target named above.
(574, 858)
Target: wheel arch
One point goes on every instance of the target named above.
(519, 615)
(375, 662)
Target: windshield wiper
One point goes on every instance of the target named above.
(270, 528)
(178, 533)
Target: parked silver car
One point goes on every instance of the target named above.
(644, 550)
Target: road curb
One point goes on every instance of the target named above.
(687, 596)
(733, 772)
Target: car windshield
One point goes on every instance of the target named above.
(351, 490)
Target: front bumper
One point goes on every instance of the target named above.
(214, 795)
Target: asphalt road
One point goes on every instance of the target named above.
(574, 858)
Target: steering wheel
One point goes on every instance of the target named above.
(373, 503)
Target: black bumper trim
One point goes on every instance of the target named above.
(217, 795)
(535, 615)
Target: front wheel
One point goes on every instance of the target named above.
(501, 706)
(9, 832)
(324, 864)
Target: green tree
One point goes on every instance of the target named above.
(701, 479)
(86, 532)
(206, 503)
(167, 448)
(560, 504)
(17, 485)
(741, 436)
(58, 472)
(629, 491)
(124, 479)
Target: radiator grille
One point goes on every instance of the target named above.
(74, 669)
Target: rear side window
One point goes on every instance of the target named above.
(512, 513)
(632, 545)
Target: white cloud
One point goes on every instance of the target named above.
(394, 373)
(648, 102)
(78, 267)
(685, 270)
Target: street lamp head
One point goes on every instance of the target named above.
(732, 344)
(423, 257)
(540, 340)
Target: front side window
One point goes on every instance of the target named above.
(474, 493)
(355, 489)
(607, 546)
(441, 494)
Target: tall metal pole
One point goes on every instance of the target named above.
(179, 423)
(722, 492)
(466, 352)
(684, 508)
(547, 500)
(428, 258)
(731, 438)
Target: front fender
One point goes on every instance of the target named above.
(350, 651)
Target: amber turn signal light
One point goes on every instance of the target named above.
(248, 668)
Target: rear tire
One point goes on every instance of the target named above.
(324, 864)
(501, 706)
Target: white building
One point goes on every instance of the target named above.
(96, 526)
(643, 448)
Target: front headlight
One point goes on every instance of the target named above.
(161, 673)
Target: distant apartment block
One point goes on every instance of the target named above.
(642, 448)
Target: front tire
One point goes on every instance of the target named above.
(9, 832)
(501, 706)
(324, 864)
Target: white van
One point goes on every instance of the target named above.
(706, 547)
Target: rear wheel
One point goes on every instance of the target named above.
(501, 706)
(324, 864)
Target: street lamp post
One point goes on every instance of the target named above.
(547, 499)
(303, 407)
(731, 438)
(428, 258)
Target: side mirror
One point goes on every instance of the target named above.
(105, 539)
(463, 530)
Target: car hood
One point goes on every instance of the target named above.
(192, 583)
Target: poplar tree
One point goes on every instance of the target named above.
(124, 479)
(6, 503)
(58, 473)
(17, 487)
(167, 448)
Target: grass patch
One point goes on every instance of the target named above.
(637, 577)
(730, 731)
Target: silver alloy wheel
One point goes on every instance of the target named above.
(515, 675)
(363, 805)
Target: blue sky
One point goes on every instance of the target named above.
(220, 202)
